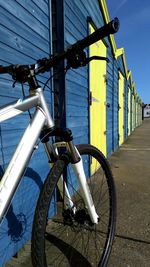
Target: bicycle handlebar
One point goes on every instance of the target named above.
(110, 28)
(73, 53)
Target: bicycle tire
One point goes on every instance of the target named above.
(73, 256)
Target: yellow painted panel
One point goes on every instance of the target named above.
(133, 113)
(136, 114)
(140, 114)
(98, 93)
(121, 108)
(129, 110)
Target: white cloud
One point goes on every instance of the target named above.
(119, 6)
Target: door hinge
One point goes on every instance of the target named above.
(90, 98)
(119, 107)
(105, 78)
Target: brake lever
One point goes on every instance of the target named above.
(97, 58)
(77, 58)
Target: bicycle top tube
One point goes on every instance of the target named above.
(75, 56)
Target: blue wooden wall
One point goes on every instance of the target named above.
(76, 13)
(121, 67)
(125, 110)
(25, 37)
(77, 87)
(115, 115)
(130, 107)
(111, 103)
(131, 113)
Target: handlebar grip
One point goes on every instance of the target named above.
(7, 69)
(2, 70)
(110, 28)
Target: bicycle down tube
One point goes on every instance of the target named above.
(23, 153)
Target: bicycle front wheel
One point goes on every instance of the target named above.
(68, 239)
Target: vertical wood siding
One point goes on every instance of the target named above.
(97, 84)
(77, 111)
(115, 106)
(112, 103)
(77, 93)
(126, 110)
(133, 112)
(76, 14)
(129, 110)
(109, 103)
(121, 101)
(75, 17)
(25, 37)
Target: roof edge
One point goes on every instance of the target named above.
(107, 19)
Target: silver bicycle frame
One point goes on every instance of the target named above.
(22, 155)
(19, 161)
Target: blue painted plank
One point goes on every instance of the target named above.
(20, 45)
(25, 17)
(77, 90)
(36, 12)
(42, 5)
(23, 31)
(25, 37)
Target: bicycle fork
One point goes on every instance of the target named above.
(78, 169)
(86, 194)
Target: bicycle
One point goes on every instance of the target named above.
(81, 232)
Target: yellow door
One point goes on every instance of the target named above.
(136, 106)
(133, 113)
(98, 96)
(138, 114)
(129, 110)
(121, 108)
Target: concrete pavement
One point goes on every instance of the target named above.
(131, 169)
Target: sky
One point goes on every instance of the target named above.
(134, 37)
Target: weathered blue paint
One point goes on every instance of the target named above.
(126, 110)
(121, 67)
(76, 87)
(130, 107)
(112, 103)
(134, 112)
(25, 37)
(109, 103)
(115, 115)
(131, 114)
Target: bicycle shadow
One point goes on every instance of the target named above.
(74, 257)
(17, 223)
